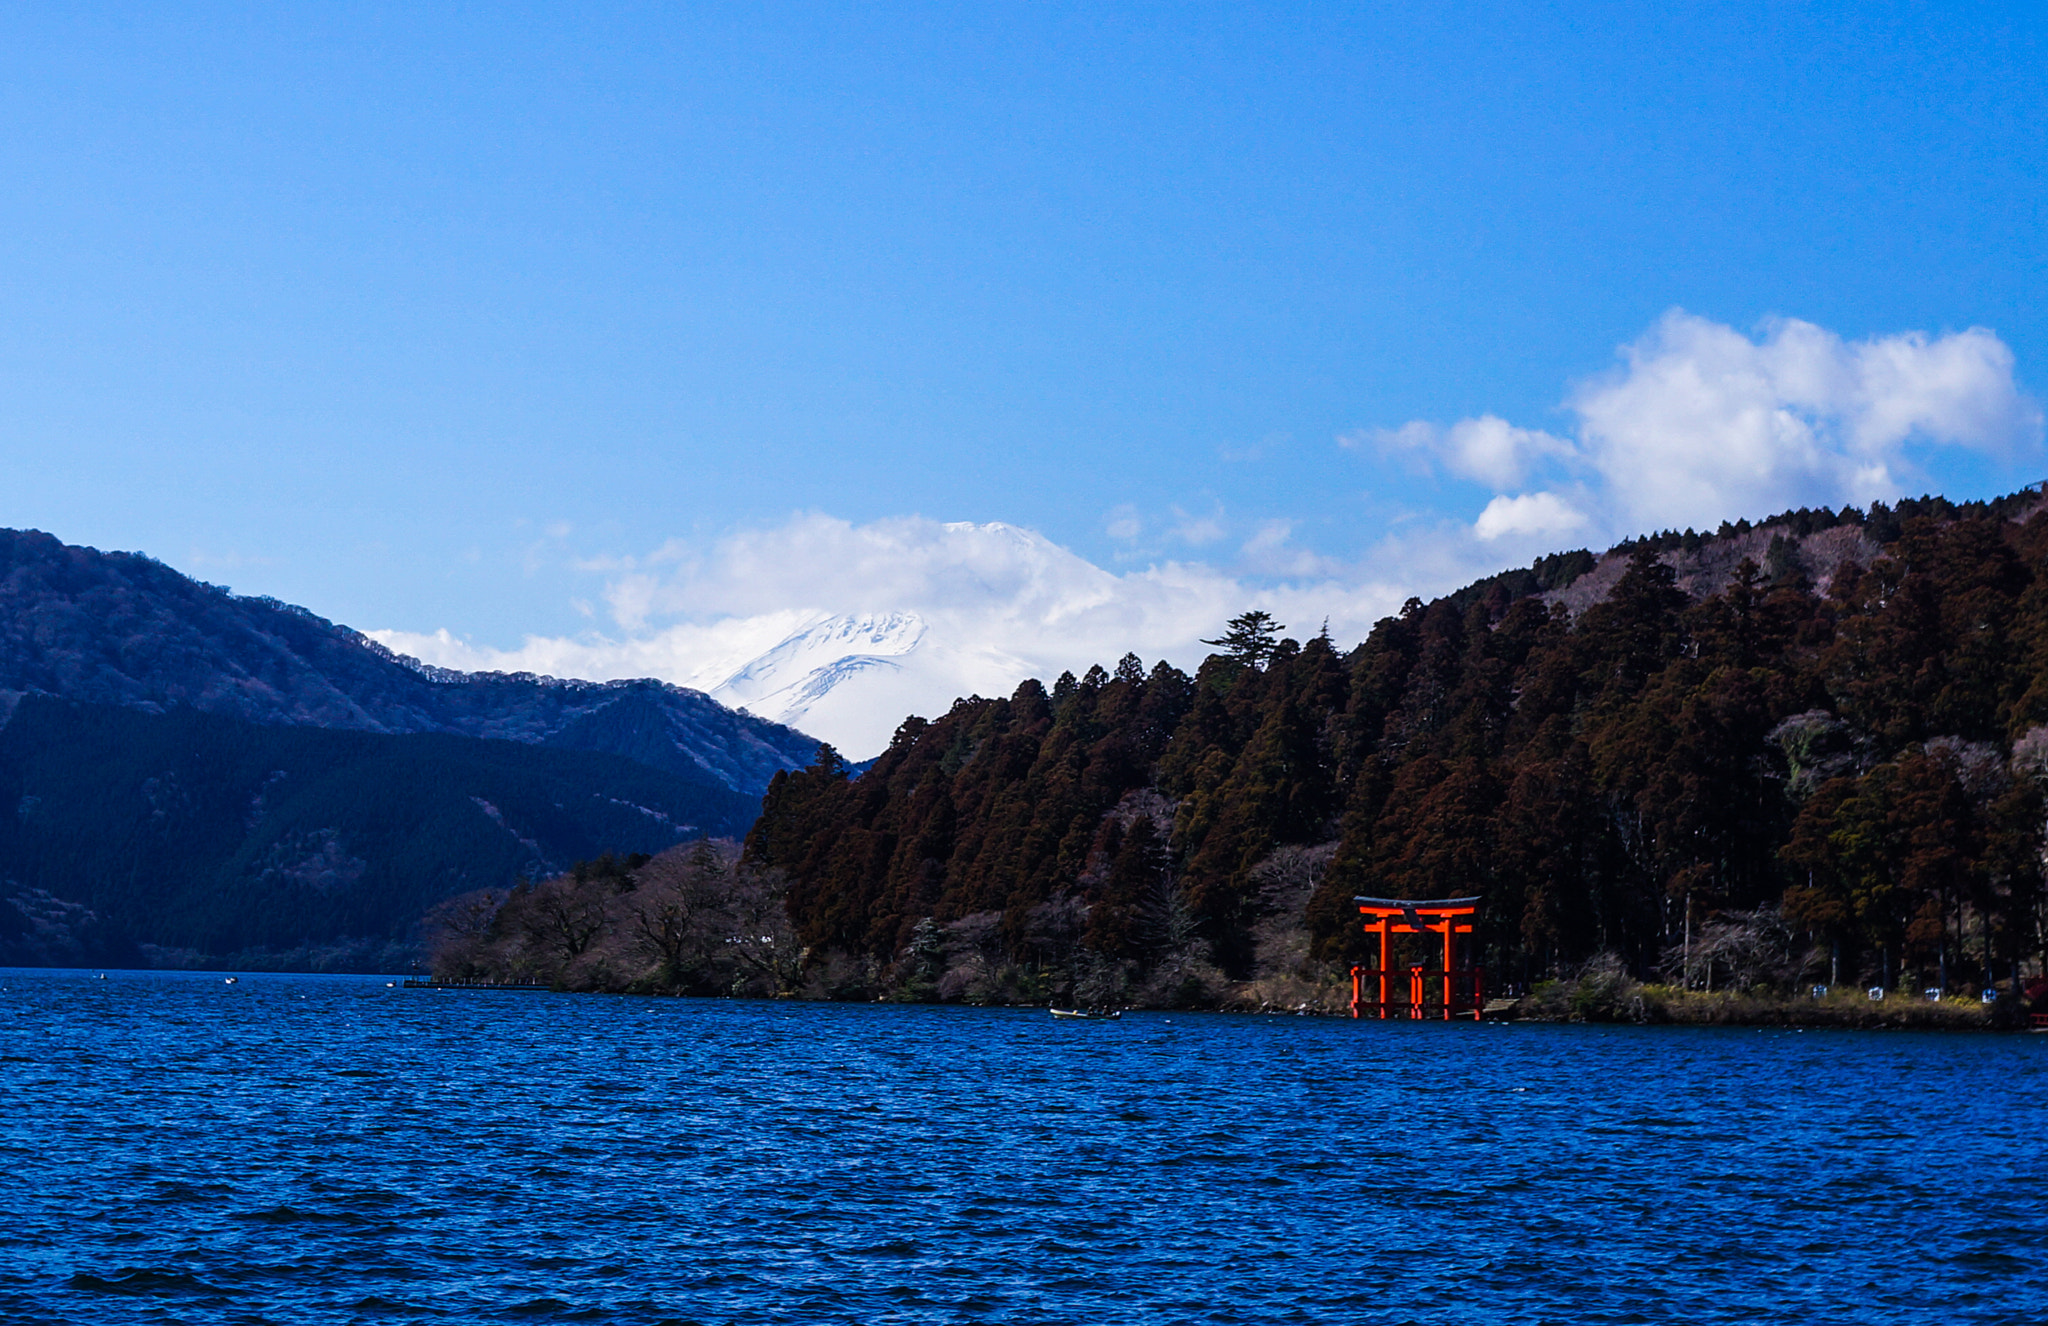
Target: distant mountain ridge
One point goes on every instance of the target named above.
(124, 629)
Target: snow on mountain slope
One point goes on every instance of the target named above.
(806, 665)
(852, 679)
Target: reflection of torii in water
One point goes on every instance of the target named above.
(1387, 917)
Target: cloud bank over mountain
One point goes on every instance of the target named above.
(911, 613)
(842, 629)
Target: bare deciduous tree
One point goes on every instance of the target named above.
(674, 916)
(564, 915)
(1737, 951)
(761, 938)
(459, 932)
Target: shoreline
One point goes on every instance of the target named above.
(1563, 1001)
(1558, 1002)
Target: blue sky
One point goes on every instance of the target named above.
(555, 330)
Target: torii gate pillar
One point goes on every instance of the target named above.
(1462, 988)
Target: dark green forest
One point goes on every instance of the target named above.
(1810, 749)
(132, 838)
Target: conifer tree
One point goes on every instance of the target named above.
(1250, 638)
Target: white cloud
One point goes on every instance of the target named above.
(1257, 451)
(1530, 514)
(1699, 423)
(1488, 449)
(1196, 531)
(1270, 537)
(1272, 554)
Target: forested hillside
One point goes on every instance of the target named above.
(132, 838)
(1807, 748)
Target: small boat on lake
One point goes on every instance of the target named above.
(1086, 1014)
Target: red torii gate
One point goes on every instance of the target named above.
(1463, 987)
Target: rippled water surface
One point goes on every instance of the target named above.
(327, 1149)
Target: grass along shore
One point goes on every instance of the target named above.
(1613, 997)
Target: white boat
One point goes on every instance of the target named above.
(1085, 1014)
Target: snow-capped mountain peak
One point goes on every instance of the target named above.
(786, 682)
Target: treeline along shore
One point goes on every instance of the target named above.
(1693, 778)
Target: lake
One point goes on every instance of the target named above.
(326, 1149)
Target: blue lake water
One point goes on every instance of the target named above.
(325, 1149)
